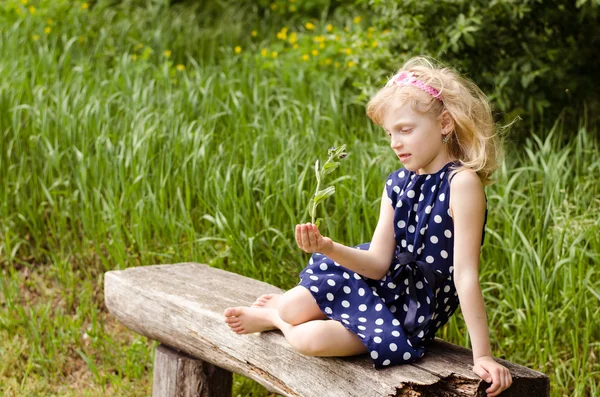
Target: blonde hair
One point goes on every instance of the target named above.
(475, 140)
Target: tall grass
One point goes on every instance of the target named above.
(108, 162)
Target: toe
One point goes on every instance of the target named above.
(233, 311)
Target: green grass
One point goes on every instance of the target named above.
(108, 162)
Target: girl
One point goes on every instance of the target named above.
(389, 297)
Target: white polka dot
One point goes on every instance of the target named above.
(374, 355)
(389, 182)
(314, 278)
(448, 233)
(401, 174)
(446, 300)
(428, 300)
(429, 259)
(395, 322)
(346, 276)
(331, 282)
(391, 285)
(396, 333)
(421, 197)
(451, 268)
(421, 334)
(442, 176)
(396, 189)
(446, 288)
(403, 243)
(393, 347)
(361, 335)
(335, 263)
(378, 330)
(386, 362)
(411, 229)
(347, 289)
(329, 296)
(309, 271)
(437, 219)
(323, 266)
(362, 319)
(399, 204)
(444, 254)
(379, 321)
(362, 327)
(357, 276)
(406, 355)
(362, 307)
(419, 285)
(433, 239)
(361, 291)
(344, 315)
(328, 310)
(442, 197)
(346, 322)
(423, 231)
(415, 207)
(345, 303)
(410, 344)
(410, 247)
(401, 224)
(393, 309)
(433, 188)
(377, 339)
(447, 308)
(421, 319)
(378, 307)
(410, 193)
(405, 307)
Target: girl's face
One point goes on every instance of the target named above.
(416, 138)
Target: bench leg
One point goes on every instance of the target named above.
(178, 375)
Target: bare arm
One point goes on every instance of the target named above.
(467, 202)
(373, 263)
(468, 211)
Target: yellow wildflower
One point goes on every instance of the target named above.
(36, 37)
(180, 67)
(263, 52)
(305, 57)
(47, 29)
(292, 8)
(295, 46)
(322, 45)
(167, 53)
(238, 49)
(85, 6)
(309, 26)
(374, 44)
(346, 29)
(139, 46)
(274, 54)
(254, 33)
(369, 35)
(329, 27)
(293, 37)
(357, 19)
(350, 64)
(386, 31)
(371, 29)
(336, 64)
(328, 61)
(315, 52)
(24, 2)
(337, 37)
(133, 57)
(32, 10)
(50, 21)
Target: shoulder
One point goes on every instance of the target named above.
(466, 189)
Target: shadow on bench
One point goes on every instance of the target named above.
(182, 306)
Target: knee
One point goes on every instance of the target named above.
(307, 346)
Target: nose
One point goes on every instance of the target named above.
(395, 143)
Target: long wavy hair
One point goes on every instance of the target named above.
(475, 140)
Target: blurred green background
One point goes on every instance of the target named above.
(145, 132)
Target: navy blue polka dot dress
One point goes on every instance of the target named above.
(396, 315)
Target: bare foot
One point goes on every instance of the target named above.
(247, 320)
(267, 300)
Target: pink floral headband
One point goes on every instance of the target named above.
(408, 78)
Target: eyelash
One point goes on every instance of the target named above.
(406, 130)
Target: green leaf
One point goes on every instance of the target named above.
(328, 168)
(318, 222)
(323, 194)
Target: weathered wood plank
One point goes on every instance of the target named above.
(182, 306)
(177, 374)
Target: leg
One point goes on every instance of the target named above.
(295, 306)
(312, 338)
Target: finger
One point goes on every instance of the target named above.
(298, 239)
(305, 241)
(495, 383)
(312, 236)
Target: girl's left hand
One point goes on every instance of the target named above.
(492, 372)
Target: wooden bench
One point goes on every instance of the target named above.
(182, 305)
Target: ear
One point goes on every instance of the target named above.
(447, 122)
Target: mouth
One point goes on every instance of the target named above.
(404, 156)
